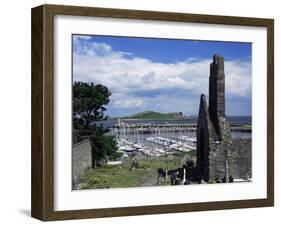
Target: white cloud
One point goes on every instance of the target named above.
(238, 78)
(128, 103)
(120, 100)
(129, 78)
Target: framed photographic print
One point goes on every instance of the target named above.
(141, 112)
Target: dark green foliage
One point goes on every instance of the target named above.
(115, 156)
(88, 108)
(103, 147)
(89, 102)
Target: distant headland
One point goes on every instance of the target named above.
(153, 115)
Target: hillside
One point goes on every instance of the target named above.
(156, 115)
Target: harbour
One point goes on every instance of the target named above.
(160, 138)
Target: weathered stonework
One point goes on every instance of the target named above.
(217, 154)
(81, 158)
(217, 91)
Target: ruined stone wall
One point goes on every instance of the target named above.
(81, 158)
(217, 154)
(237, 154)
(241, 159)
(220, 151)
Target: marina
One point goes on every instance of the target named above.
(162, 138)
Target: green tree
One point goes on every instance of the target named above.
(89, 103)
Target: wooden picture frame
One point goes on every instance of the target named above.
(42, 203)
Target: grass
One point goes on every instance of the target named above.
(126, 176)
(193, 153)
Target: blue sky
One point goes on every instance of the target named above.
(161, 74)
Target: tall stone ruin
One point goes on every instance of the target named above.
(217, 154)
(217, 91)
